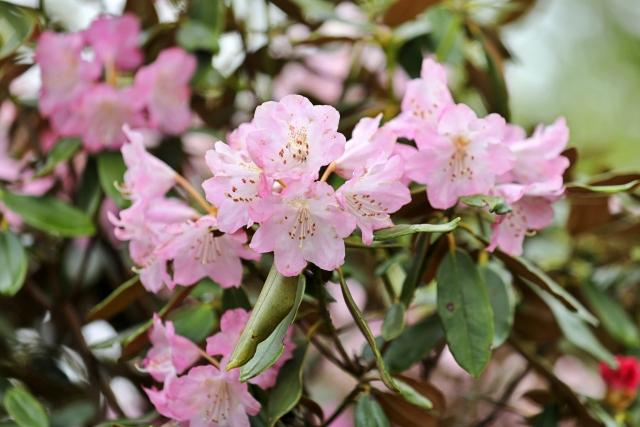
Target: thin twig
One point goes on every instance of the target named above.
(186, 185)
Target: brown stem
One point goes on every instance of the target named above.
(186, 185)
(328, 171)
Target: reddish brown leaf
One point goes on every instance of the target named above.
(402, 11)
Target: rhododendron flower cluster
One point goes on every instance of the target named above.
(83, 95)
(208, 395)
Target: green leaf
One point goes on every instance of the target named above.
(362, 324)
(413, 344)
(196, 35)
(465, 311)
(269, 351)
(49, 214)
(195, 322)
(111, 169)
(24, 409)
(602, 189)
(89, 193)
(285, 395)
(235, 298)
(416, 270)
(118, 300)
(573, 327)
(17, 24)
(412, 396)
(393, 324)
(368, 413)
(614, 319)
(61, 152)
(502, 304)
(406, 229)
(13, 260)
(495, 204)
(276, 299)
(76, 413)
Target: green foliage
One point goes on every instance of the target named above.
(13, 260)
(368, 413)
(24, 409)
(111, 170)
(288, 389)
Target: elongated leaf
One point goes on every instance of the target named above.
(412, 396)
(285, 395)
(402, 11)
(362, 324)
(573, 327)
(49, 214)
(111, 170)
(413, 344)
(614, 319)
(403, 413)
(117, 300)
(61, 152)
(24, 409)
(406, 229)
(502, 304)
(195, 322)
(270, 350)
(17, 24)
(578, 188)
(465, 311)
(369, 413)
(276, 299)
(418, 265)
(393, 322)
(13, 264)
(495, 204)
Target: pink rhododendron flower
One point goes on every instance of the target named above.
(146, 176)
(198, 250)
(424, 101)
(222, 344)
(65, 74)
(372, 195)
(101, 115)
(235, 186)
(206, 397)
(293, 138)
(369, 144)
(115, 40)
(164, 87)
(170, 354)
(303, 223)
(462, 157)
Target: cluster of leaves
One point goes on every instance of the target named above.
(572, 294)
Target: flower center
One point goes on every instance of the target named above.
(297, 144)
(303, 225)
(220, 402)
(207, 249)
(366, 206)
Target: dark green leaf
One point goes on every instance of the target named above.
(277, 297)
(89, 192)
(270, 350)
(13, 262)
(49, 214)
(285, 395)
(465, 311)
(74, 414)
(416, 270)
(368, 413)
(111, 170)
(495, 204)
(502, 304)
(406, 229)
(17, 24)
(118, 300)
(393, 322)
(195, 322)
(235, 298)
(61, 152)
(413, 344)
(573, 327)
(24, 409)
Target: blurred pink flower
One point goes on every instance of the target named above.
(115, 40)
(625, 377)
(170, 354)
(462, 157)
(198, 250)
(303, 223)
(293, 138)
(164, 86)
(9, 167)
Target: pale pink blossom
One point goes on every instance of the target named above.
(293, 138)
(303, 223)
(64, 73)
(372, 195)
(170, 354)
(424, 101)
(115, 40)
(101, 115)
(146, 177)
(164, 86)
(369, 144)
(236, 184)
(222, 344)
(206, 397)
(462, 157)
(9, 167)
(199, 250)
